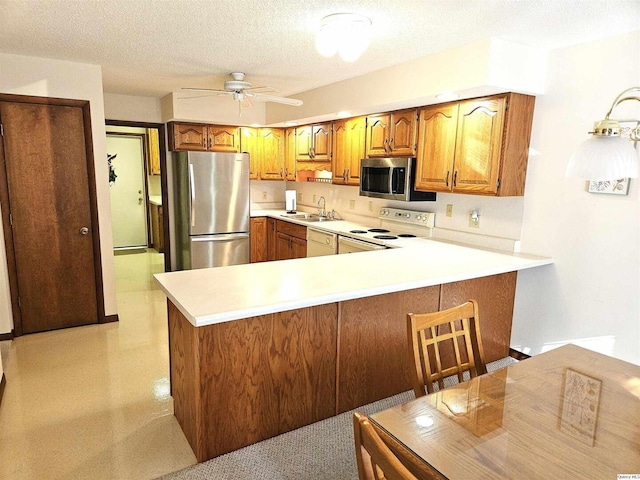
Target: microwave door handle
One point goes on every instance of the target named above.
(391, 170)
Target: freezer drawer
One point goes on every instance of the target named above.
(219, 250)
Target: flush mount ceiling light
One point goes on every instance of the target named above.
(347, 34)
(608, 156)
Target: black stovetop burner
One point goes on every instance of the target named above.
(357, 231)
(385, 237)
(378, 230)
(406, 235)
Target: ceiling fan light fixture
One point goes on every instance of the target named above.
(347, 34)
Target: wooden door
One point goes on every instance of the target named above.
(258, 239)
(479, 145)
(187, 136)
(356, 144)
(402, 135)
(223, 138)
(436, 147)
(378, 135)
(290, 154)
(304, 143)
(52, 234)
(271, 239)
(321, 142)
(340, 153)
(251, 144)
(283, 246)
(298, 247)
(272, 146)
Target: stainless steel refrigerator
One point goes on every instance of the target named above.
(211, 201)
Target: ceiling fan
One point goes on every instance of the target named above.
(244, 93)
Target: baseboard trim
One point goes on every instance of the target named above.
(6, 336)
(518, 355)
(3, 382)
(110, 318)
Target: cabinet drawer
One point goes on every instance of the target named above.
(293, 229)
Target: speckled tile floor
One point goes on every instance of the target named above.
(93, 402)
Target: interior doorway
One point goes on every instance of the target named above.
(154, 186)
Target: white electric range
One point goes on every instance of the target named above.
(396, 227)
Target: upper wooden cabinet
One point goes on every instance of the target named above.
(392, 134)
(349, 139)
(204, 138)
(153, 147)
(290, 154)
(266, 149)
(475, 146)
(313, 143)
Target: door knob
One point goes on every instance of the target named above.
(84, 231)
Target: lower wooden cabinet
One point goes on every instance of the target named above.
(291, 240)
(157, 234)
(259, 239)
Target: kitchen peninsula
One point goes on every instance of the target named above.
(261, 349)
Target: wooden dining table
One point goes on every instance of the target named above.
(569, 413)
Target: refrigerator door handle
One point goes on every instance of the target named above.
(220, 238)
(192, 190)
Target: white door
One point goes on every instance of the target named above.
(127, 188)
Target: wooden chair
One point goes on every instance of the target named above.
(461, 340)
(375, 460)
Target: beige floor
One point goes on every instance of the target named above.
(93, 402)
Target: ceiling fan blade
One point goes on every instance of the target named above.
(210, 90)
(273, 98)
(264, 89)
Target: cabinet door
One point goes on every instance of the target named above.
(378, 135)
(223, 138)
(321, 142)
(402, 135)
(356, 140)
(272, 152)
(290, 154)
(153, 145)
(258, 239)
(479, 145)
(189, 137)
(271, 239)
(304, 145)
(340, 151)
(298, 248)
(283, 246)
(251, 145)
(436, 147)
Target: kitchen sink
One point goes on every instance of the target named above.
(307, 217)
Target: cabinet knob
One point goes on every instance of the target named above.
(84, 231)
(446, 179)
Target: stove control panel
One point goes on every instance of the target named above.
(425, 219)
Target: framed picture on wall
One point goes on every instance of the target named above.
(615, 187)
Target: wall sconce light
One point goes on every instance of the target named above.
(345, 33)
(608, 156)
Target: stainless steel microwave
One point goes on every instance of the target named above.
(391, 178)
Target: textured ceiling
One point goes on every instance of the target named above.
(153, 47)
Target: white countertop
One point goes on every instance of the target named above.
(214, 295)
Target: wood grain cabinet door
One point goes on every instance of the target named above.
(290, 154)
(272, 148)
(250, 143)
(356, 146)
(304, 143)
(189, 137)
(223, 138)
(436, 148)
(340, 151)
(321, 142)
(378, 135)
(402, 133)
(53, 230)
(258, 239)
(479, 146)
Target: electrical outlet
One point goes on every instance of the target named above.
(299, 197)
(264, 195)
(474, 219)
(370, 206)
(352, 204)
(449, 210)
(314, 199)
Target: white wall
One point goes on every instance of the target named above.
(53, 78)
(591, 294)
(133, 109)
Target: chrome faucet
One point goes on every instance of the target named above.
(322, 212)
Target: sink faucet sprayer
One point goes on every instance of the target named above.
(322, 211)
